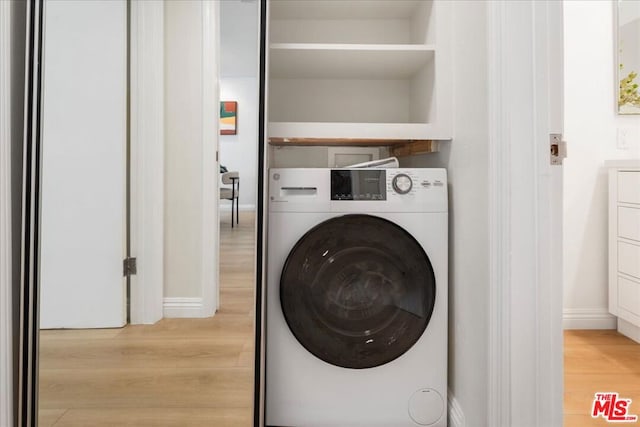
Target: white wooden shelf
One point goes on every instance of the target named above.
(405, 131)
(336, 9)
(348, 61)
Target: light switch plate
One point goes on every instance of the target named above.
(628, 137)
(622, 142)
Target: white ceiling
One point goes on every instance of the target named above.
(239, 36)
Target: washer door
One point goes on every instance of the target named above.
(357, 291)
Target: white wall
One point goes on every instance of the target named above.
(183, 139)
(591, 126)
(319, 157)
(467, 163)
(240, 152)
(239, 36)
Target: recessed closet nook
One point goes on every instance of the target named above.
(357, 73)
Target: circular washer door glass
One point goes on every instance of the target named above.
(357, 291)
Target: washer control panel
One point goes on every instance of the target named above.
(358, 190)
(378, 184)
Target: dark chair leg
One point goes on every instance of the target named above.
(237, 211)
(233, 199)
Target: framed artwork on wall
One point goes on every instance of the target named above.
(228, 117)
(628, 56)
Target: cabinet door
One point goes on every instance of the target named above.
(629, 223)
(629, 300)
(629, 186)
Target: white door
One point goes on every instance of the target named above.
(83, 165)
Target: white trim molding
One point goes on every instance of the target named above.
(6, 352)
(147, 159)
(455, 413)
(210, 225)
(178, 307)
(588, 318)
(499, 411)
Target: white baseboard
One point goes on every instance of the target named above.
(180, 307)
(227, 207)
(588, 318)
(455, 414)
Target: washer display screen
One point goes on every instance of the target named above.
(358, 184)
(357, 291)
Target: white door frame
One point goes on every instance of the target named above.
(210, 170)
(525, 345)
(147, 159)
(6, 344)
(147, 163)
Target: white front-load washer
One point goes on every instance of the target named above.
(356, 298)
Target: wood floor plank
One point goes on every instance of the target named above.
(49, 417)
(78, 334)
(603, 359)
(220, 325)
(147, 353)
(623, 383)
(157, 417)
(573, 420)
(132, 388)
(591, 337)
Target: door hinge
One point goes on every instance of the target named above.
(129, 267)
(558, 148)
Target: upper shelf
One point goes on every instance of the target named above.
(352, 21)
(332, 9)
(347, 61)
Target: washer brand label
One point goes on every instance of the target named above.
(612, 407)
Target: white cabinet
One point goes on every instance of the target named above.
(361, 69)
(624, 246)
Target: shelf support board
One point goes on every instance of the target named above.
(411, 148)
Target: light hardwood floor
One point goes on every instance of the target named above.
(178, 372)
(598, 361)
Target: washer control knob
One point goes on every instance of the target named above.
(402, 184)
